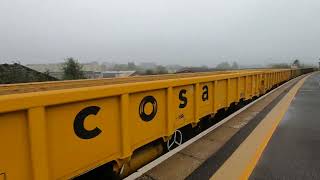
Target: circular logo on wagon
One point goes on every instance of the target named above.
(147, 114)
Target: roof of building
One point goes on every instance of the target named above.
(17, 73)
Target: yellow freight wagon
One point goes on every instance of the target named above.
(60, 130)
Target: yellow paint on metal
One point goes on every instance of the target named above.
(56, 85)
(38, 143)
(59, 130)
(141, 158)
(15, 160)
(124, 127)
(185, 115)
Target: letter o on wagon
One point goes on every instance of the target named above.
(148, 116)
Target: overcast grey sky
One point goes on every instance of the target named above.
(188, 32)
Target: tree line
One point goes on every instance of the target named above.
(72, 69)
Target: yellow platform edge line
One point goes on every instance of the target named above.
(243, 161)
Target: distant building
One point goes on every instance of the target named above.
(97, 74)
(45, 67)
(17, 73)
(92, 66)
(91, 70)
(57, 67)
(87, 74)
(110, 74)
(92, 74)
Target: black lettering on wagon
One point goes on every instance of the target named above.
(146, 100)
(205, 94)
(183, 98)
(78, 124)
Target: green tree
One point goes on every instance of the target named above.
(223, 66)
(296, 63)
(131, 66)
(149, 72)
(235, 65)
(72, 69)
(161, 70)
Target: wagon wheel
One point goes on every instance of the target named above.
(175, 140)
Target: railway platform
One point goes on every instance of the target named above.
(285, 144)
(275, 138)
(293, 151)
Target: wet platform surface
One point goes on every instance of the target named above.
(294, 149)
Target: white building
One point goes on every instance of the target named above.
(109, 74)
